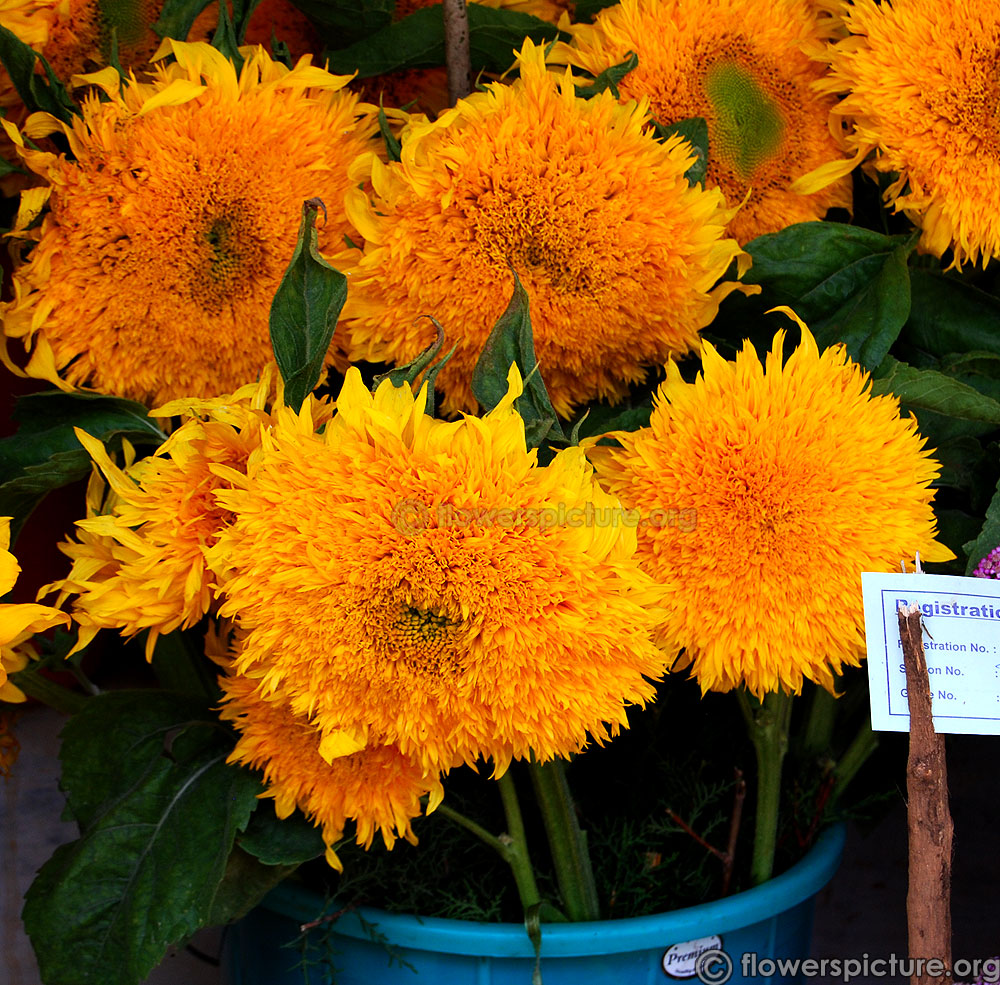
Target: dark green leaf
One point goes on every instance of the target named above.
(586, 10)
(801, 261)
(511, 342)
(847, 284)
(393, 147)
(949, 316)
(603, 419)
(695, 132)
(242, 12)
(45, 453)
(305, 311)
(145, 774)
(47, 94)
(989, 535)
(274, 841)
(177, 16)
(932, 390)
(225, 39)
(407, 375)
(417, 41)
(960, 460)
(346, 21)
(870, 321)
(245, 883)
(609, 78)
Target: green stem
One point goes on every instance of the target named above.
(516, 844)
(818, 733)
(567, 842)
(477, 829)
(769, 732)
(864, 744)
(41, 688)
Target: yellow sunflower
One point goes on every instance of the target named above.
(919, 79)
(618, 254)
(797, 480)
(379, 788)
(152, 273)
(18, 623)
(749, 69)
(410, 582)
(139, 562)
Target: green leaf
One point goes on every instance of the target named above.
(586, 10)
(949, 316)
(609, 78)
(848, 284)
(225, 39)
(407, 375)
(46, 94)
(393, 148)
(346, 21)
(145, 774)
(245, 883)
(932, 390)
(695, 132)
(603, 419)
(45, 453)
(870, 321)
(511, 342)
(305, 311)
(989, 535)
(177, 16)
(417, 41)
(276, 841)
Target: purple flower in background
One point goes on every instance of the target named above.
(989, 567)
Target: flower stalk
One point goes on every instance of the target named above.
(567, 841)
(768, 723)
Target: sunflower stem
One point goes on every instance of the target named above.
(457, 53)
(515, 845)
(487, 837)
(864, 744)
(35, 685)
(818, 733)
(567, 842)
(769, 733)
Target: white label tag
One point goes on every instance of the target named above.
(681, 960)
(961, 617)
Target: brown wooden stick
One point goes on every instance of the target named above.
(456, 50)
(928, 899)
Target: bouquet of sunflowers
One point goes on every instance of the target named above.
(425, 450)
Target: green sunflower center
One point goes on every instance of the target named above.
(748, 126)
(230, 254)
(424, 639)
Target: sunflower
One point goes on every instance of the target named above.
(152, 272)
(920, 84)
(139, 562)
(18, 623)
(457, 612)
(797, 480)
(378, 787)
(617, 252)
(749, 69)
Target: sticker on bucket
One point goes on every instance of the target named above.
(681, 960)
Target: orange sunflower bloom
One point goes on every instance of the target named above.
(152, 272)
(919, 81)
(618, 254)
(139, 562)
(459, 614)
(378, 787)
(749, 69)
(798, 480)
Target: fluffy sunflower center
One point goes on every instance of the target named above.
(748, 126)
(522, 223)
(973, 108)
(229, 254)
(422, 638)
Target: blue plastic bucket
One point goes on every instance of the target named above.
(738, 939)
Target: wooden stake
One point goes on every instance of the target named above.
(928, 899)
(456, 50)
